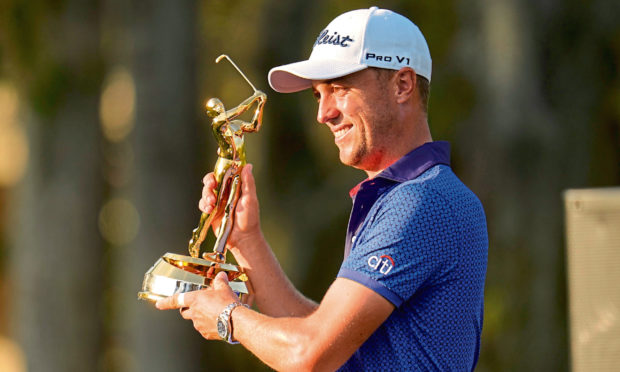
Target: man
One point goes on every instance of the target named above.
(409, 294)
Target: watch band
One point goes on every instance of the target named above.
(224, 318)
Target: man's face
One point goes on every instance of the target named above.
(358, 110)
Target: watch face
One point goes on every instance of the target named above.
(222, 328)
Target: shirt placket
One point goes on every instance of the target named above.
(362, 202)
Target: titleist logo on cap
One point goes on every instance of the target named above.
(333, 39)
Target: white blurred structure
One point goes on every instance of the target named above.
(593, 269)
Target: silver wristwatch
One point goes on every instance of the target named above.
(224, 326)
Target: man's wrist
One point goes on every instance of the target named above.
(250, 239)
(232, 339)
(224, 322)
(249, 245)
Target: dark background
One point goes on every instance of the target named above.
(103, 143)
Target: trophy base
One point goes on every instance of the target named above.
(175, 273)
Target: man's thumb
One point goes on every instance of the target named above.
(220, 281)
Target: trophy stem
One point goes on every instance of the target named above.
(228, 221)
(199, 234)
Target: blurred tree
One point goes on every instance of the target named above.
(165, 185)
(541, 73)
(51, 51)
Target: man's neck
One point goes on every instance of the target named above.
(420, 134)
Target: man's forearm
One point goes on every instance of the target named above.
(281, 343)
(275, 295)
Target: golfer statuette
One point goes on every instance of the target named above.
(174, 273)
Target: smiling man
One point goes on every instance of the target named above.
(409, 293)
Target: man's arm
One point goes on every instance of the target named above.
(322, 340)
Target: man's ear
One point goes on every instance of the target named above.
(405, 80)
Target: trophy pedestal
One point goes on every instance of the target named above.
(175, 273)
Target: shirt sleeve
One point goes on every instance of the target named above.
(408, 242)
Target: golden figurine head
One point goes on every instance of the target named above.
(214, 107)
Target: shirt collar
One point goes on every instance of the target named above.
(413, 163)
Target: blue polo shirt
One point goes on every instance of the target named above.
(417, 236)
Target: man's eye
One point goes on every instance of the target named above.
(337, 89)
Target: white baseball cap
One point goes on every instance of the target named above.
(354, 41)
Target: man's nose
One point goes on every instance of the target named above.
(327, 110)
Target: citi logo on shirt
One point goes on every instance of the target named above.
(384, 263)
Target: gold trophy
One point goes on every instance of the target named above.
(175, 273)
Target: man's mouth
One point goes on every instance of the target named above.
(340, 133)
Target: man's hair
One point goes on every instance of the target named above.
(424, 91)
(422, 84)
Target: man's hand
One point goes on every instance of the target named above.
(204, 306)
(246, 217)
(274, 294)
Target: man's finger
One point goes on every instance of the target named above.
(172, 302)
(166, 303)
(186, 313)
(204, 206)
(209, 180)
(220, 281)
(208, 194)
(248, 185)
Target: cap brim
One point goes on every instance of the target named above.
(299, 75)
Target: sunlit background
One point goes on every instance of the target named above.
(104, 142)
